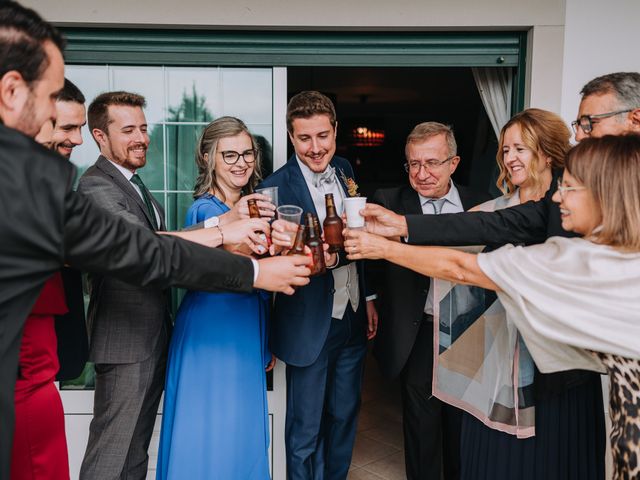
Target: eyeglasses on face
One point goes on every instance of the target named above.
(415, 165)
(585, 122)
(231, 157)
(564, 190)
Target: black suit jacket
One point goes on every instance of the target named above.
(529, 223)
(125, 322)
(44, 224)
(402, 293)
(71, 329)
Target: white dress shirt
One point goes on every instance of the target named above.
(345, 278)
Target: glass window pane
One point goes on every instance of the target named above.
(247, 94)
(263, 135)
(146, 81)
(153, 173)
(193, 94)
(176, 209)
(181, 148)
(91, 80)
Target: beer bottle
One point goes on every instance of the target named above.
(332, 226)
(299, 242)
(315, 245)
(254, 212)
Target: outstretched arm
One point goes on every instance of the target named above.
(445, 263)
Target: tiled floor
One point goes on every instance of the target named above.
(378, 453)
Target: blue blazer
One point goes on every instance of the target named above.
(300, 322)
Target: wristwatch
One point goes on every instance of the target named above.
(212, 222)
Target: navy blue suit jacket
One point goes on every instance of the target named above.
(300, 322)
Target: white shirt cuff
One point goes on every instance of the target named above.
(256, 269)
(372, 297)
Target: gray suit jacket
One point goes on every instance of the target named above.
(124, 322)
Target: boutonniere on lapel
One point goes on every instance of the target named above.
(352, 186)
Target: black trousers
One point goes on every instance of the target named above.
(431, 427)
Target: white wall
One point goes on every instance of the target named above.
(600, 37)
(306, 14)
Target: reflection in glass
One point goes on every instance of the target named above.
(153, 172)
(184, 82)
(146, 81)
(247, 94)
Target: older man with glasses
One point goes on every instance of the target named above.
(610, 106)
(404, 345)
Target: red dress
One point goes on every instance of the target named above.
(39, 442)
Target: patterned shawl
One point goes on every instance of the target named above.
(481, 364)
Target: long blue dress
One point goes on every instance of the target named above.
(215, 421)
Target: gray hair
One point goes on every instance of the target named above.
(424, 131)
(624, 85)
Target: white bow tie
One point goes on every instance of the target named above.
(325, 177)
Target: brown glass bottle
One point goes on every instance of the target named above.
(299, 242)
(332, 226)
(314, 242)
(254, 212)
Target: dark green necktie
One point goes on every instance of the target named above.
(136, 180)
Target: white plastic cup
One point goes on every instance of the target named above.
(271, 192)
(352, 207)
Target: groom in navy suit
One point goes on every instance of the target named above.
(321, 330)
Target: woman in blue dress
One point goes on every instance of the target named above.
(214, 424)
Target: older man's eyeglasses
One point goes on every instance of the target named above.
(415, 165)
(231, 157)
(585, 122)
(564, 190)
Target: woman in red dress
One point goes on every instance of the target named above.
(39, 443)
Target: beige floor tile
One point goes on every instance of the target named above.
(367, 451)
(388, 432)
(389, 468)
(360, 474)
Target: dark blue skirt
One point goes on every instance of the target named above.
(569, 443)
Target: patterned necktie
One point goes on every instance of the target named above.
(437, 204)
(146, 196)
(325, 177)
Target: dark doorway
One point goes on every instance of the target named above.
(391, 101)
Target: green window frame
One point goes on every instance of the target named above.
(286, 48)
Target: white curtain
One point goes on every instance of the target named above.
(495, 85)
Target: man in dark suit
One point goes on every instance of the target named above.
(404, 344)
(320, 331)
(44, 224)
(128, 326)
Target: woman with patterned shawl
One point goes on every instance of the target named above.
(487, 371)
(573, 300)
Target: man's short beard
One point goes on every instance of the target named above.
(26, 121)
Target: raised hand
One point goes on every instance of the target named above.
(282, 274)
(246, 232)
(361, 245)
(282, 234)
(384, 222)
(240, 210)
